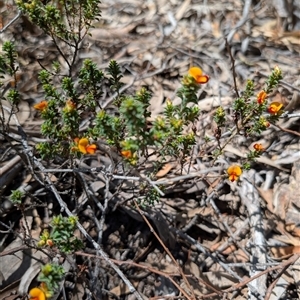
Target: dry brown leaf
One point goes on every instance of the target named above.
(192, 268)
(164, 170)
(228, 250)
(293, 229)
(240, 256)
(267, 195)
(282, 252)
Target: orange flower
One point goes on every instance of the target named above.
(84, 147)
(275, 108)
(126, 153)
(258, 147)
(37, 294)
(198, 75)
(261, 97)
(50, 243)
(70, 106)
(41, 106)
(234, 172)
(40, 293)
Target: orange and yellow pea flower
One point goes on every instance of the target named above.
(261, 97)
(37, 294)
(198, 75)
(84, 147)
(275, 108)
(40, 293)
(258, 147)
(126, 153)
(70, 106)
(234, 172)
(41, 106)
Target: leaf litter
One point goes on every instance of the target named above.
(228, 241)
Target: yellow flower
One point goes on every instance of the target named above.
(37, 294)
(40, 293)
(41, 106)
(198, 75)
(275, 108)
(234, 172)
(261, 97)
(258, 147)
(70, 106)
(84, 147)
(126, 153)
(277, 71)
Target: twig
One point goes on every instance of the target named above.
(136, 178)
(150, 269)
(233, 68)
(289, 262)
(169, 253)
(64, 207)
(272, 285)
(216, 209)
(11, 21)
(105, 206)
(287, 130)
(250, 199)
(213, 256)
(243, 20)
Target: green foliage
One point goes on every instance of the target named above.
(61, 235)
(8, 61)
(273, 80)
(9, 66)
(63, 19)
(252, 115)
(151, 198)
(16, 196)
(13, 97)
(115, 80)
(51, 274)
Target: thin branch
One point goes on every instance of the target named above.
(168, 252)
(11, 21)
(64, 207)
(233, 68)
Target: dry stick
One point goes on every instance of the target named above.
(232, 240)
(88, 191)
(64, 207)
(250, 199)
(136, 178)
(216, 209)
(287, 130)
(242, 21)
(200, 248)
(152, 270)
(11, 21)
(87, 236)
(169, 253)
(233, 67)
(271, 287)
(289, 262)
(105, 206)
